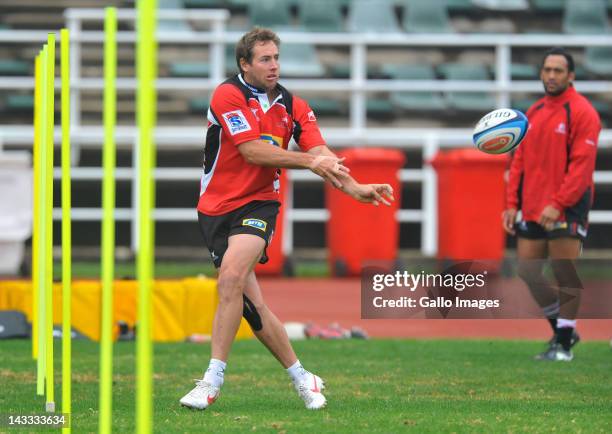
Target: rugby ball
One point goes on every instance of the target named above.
(500, 131)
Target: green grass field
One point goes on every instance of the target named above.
(382, 386)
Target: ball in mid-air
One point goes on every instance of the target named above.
(500, 131)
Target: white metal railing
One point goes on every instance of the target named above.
(429, 140)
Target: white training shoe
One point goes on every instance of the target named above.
(310, 391)
(202, 396)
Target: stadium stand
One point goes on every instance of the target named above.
(590, 17)
(385, 109)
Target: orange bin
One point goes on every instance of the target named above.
(358, 232)
(470, 203)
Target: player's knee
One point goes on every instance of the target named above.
(230, 285)
(565, 273)
(252, 313)
(528, 271)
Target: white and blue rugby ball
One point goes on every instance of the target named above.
(500, 131)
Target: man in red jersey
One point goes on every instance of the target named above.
(250, 122)
(551, 182)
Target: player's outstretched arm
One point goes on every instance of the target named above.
(262, 153)
(366, 193)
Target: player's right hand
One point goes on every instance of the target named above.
(508, 219)
(329, 168)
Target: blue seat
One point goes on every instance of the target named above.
(598, 60)
(372, 16)
(199, 105)
(269, 13)
(429, 16)
(14, 67)
(468, 101)
(327, 106)
(548, 6)
(164, 25)
(524, 71)
(19, 102)
(321, 16)
(300, 60)
(379, 108)
(585, 17)
(189, 69)
(461, 6)
(414, 101)
(523, 104)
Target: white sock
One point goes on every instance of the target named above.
(562, 323)
(215, 371)
(297, 372)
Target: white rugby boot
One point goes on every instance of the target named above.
(202, 396)
(310, 390)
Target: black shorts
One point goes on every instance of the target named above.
(255, 218)
(534, 231)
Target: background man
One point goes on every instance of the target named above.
(551, 182)
(250, 122)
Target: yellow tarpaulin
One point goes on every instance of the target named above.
(181, 308)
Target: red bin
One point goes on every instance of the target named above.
(471, 190)
(276, 258)
(358, 232)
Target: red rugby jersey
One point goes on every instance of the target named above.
(239, 113)
(555, 162)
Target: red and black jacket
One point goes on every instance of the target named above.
(554, 165)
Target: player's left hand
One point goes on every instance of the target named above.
(374, 194)
(549, 216)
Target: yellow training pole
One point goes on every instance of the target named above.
(50, 406)
(146, 62)
(108, 221)
(42, 222)
(35, 205)
(66, 229)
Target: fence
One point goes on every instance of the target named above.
(429, 140)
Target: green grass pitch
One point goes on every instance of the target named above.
(375, 386)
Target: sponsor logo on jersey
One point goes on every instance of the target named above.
(274, 140)
(236, 122)
(559, 225)
(560, 128)
(255, 112)
(590, 142)
(255, 223)
(311, 116)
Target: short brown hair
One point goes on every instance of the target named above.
(244, 47)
